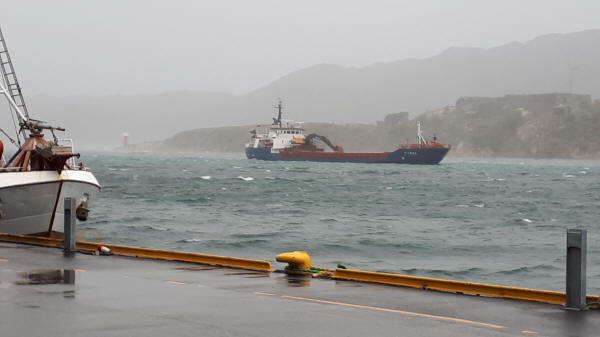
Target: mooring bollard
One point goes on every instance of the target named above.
(69, 230)
(576, 269)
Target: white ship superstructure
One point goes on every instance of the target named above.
(282, 134)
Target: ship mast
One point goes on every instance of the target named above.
(22, 119)
(279, 108)
(12, 91)
(420, 137)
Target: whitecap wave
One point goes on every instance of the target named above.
(190, 240)
(157, 228)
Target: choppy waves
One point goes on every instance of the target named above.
(491, 221)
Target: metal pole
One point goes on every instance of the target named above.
(69, 231)
(20, 114)
(576, 269)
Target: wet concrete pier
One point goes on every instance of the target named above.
(43, 293)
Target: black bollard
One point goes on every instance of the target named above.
(576, 269)
(69, 230)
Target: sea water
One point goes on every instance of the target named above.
(500, 221)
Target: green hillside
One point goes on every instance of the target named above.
(538, 126)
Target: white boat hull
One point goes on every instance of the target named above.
(33, 202)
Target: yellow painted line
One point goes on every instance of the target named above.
(264, 294)
(225, 261)
(401, 312)
(546, 296)
(175, 282)
(527, 332)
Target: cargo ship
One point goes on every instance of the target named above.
(286, 140)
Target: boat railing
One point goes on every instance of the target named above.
(10, 169)
(68, 142)
(431, 145)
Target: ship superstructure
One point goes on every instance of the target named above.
(282, 134)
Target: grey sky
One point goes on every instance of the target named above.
(142, 46)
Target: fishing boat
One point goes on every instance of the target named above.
(286, 140)
(41, 173)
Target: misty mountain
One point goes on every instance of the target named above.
(330, 93)
(550, 63)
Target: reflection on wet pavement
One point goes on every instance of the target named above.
(55, 276)
(298, 281)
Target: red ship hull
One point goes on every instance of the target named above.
(408, 154)
(334, 156)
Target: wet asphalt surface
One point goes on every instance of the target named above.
(43, 293)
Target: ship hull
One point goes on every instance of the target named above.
(261, 153)
(33, 202)
(424, 156)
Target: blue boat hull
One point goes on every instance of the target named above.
(261, 153)
(429, 156)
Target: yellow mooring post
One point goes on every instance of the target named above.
(298, 260)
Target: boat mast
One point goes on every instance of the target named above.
(22, 118)
(14, 95)
(12, 91)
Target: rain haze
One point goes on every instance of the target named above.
(215, 61)
(275, 167)
(137, 47)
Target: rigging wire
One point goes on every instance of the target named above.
(7, 136)
(6, 83)
(12, 112)
(12, 115)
